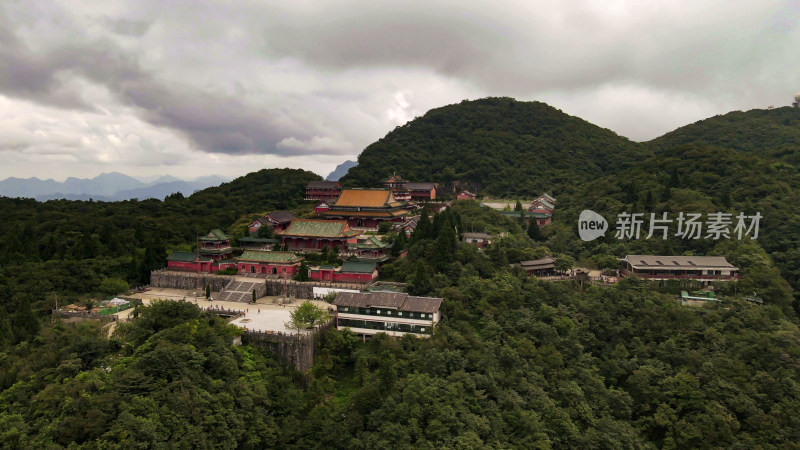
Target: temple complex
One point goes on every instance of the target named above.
(315, 234)
(367, 208)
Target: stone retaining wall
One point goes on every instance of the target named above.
(187, 280)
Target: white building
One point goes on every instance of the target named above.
(393, 313)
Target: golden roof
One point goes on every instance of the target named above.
(366, 198)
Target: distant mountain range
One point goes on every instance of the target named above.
(341, 170)
(112, 186)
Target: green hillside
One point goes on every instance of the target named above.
(499, 146)
(755, 131)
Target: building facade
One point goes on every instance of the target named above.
(215, 245)
(369, 248)
(661, 268)
(539, 267)
(466, 195)
(479, 240)
(323, 190)
(284, 264)
(397, 185)
(367, 208)
(278, 220)
(422, 192)
(349, 272)
(316, 234)
(395, 314)
(191, 262)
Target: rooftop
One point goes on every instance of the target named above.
(421, 186)
(476, 235)
(270, 257)
(215, 235)
(185, 257)
(367, 198)
(545, 262)
(370, 242)
(323, 185)
(678, 262)
(319, 228)
(255, 240)
(357, 267)
(395, 300)
(281, 216)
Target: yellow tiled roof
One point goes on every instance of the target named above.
(368, 198)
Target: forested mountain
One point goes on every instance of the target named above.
(515, 363)
(759, 131)
(498, 145)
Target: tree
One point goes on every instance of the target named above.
(25, 324)
(265, 232)
(518, 206)
(564, 263)
(302, 272)
(399, 243)
(384, 227)
(254, 296)
(446, 244)
(419, 283)
(208, 291)
(113, 286)
(534, 232)
(307, 315)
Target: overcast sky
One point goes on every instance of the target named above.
(200, 87)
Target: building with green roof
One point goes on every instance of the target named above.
(283, 264)
(316, 234)
(215, 245)
(349, 272)
(370, 249)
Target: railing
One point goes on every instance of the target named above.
(83, 314)
(670, 276)
(221, 311)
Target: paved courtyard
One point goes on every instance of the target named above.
(266, 315)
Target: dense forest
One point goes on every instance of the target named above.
(499, 146)
(515, 362)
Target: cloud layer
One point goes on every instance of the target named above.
(201, 87)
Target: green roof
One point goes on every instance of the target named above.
(214, 251)
(182, 256)
(255, 240)
(372, 242)
(322, 267)
(357, 267)
(319, 228)
(535, 215)
(215, 235)
(185, 257)
(270, 257)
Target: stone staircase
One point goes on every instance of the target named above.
(242, 291)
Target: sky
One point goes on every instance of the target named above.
(193, 88)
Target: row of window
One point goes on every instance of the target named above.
(385, 326)
(385, 312)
